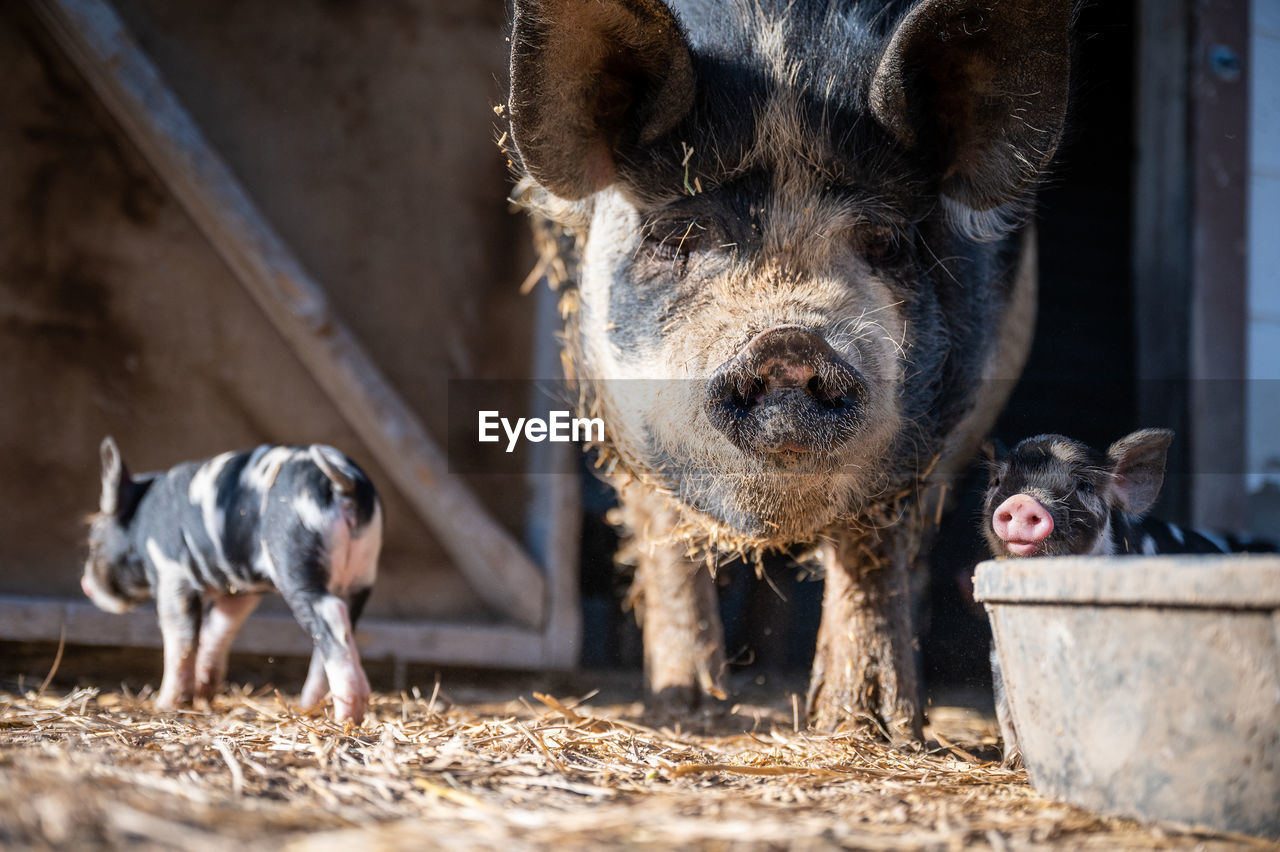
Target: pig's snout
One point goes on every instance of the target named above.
(787, 391)
(1022, 523)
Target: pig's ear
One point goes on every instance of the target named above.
(115, 477)
(589, 80)
(992, 452)
(980, 89)
(1138, 462)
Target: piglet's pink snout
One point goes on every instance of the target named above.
(1021, 518)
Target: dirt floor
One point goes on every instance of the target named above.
(498, 765)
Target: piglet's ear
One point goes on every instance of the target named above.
(591, 79)
(992, 452)
(1138, 462)
(980, 88)
(115, 476)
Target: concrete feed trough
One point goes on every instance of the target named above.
(1145, 686)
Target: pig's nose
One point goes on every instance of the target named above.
(1022, 519)
(786, 391)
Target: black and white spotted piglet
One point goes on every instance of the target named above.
(208, 538)
(1054, 496)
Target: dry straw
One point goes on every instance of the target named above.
(89, 769)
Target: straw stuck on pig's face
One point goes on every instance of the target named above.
(762, 388)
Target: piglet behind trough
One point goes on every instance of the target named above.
(1055, 496)
(208, 538)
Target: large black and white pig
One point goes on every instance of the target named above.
(208, 538)
(800, 273)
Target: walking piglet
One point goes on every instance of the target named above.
(208, 538)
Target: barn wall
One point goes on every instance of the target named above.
(1264, 269)
(364, 133)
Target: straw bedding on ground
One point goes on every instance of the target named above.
(84, 769)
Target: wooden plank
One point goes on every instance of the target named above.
(33, 619)
(1189, 249)
(1219, 294)
(131, 88)
(1162, 235)
(555, 510)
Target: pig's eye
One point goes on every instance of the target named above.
(672, 241)
(1084, 486)
(880, 244)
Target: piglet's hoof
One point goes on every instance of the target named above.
(206, 690)
(350, 709)
(166, 700)
(314, 697)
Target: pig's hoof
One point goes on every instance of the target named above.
(206, 690)
(682, 701)
(166, 701)
(312, 700)
(349, 709)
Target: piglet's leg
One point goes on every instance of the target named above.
(179, 610)
(317, 685)
(218, 631)
(327, 618)
(1009, 735)
(316, 688)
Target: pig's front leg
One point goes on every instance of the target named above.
(218, 631)
(676, 603)
(330, 621)
(179, 609)
(864, 670)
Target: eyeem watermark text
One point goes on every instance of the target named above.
(559, 427)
